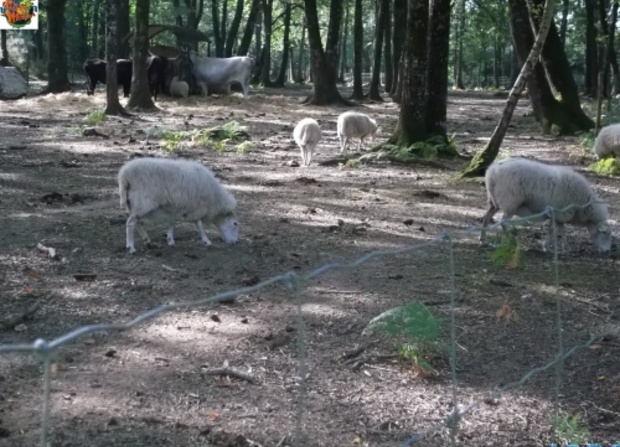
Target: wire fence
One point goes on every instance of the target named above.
(45, 350)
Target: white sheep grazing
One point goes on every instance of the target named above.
(307, 135)
(608, 141)
(179, 88)
(174, 190)
(355, 125)
(524, 187)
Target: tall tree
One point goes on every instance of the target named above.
(301, 69)
(95, 29)
(437, 68)
(246, 39)
(387, 51)
(400, 28)
(411, 126)
(113, 9)
(458, 47)
(324, 62)
(123, 29)
(231, 37)
(56, 47)
(358, 51)
(591, 48)
(4, 60)
(140, 97)
(286, 46)
(375, 80)
(215, 24)
(343, 44)
(483, 159)
(266, 52)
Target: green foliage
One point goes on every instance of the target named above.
(419, 330)
(244, 147)
(435, 147)
(569, 430)
(232, 130)
(508, 254)
(170, 141)
(95, 117)
(606, 166)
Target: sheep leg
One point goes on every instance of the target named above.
(303, 154)
(561, 239)
(359, 146)
(170, 236)
(308, 156)
(485, 221)
(343, 144)
(132, 222)
(203, 235)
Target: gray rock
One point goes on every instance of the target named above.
(12, 84)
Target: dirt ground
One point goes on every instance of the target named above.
(152, 385)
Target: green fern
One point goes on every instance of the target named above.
(606, 166)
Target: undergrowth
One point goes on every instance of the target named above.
(220, 138)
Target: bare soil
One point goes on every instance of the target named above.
(152, 385)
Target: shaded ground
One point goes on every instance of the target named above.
(150, 386)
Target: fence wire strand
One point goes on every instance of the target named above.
(45, 350)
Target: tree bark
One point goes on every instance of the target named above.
(458, 48)
(559, 73)
(266, 54)
(248, 32)
(286, 46)
(231, 38)
(411, 126)
(387, 50)
(82, 29)
(301, 69)
(140, 97)
(483, 160)
(591, 49)
(123, 29)
(400, 28)
(564, 21)
(56, 47)
(4, 61)
(375, 81)
(215, 23)
(358, 51)
(343, 44)
(95, 30)
(113, 105)
(437, 68)
(324, 61)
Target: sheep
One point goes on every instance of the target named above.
(175, 189)
(307, 135)
(355, 125)
(525, 187)
(179, 88)
(608, 141)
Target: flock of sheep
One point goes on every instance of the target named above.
(174, 190)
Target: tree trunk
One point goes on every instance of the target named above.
(123, 29)
(564, 21)
(286, 46)
(411, 126)
(324, 61)
(458, 48)
(559, 72)
(483, 160)
(140, 97)
(215, 23)
(95, 30)
(234, 29)
(56, 47)
(266, 56)
(4, 61)
(101, 34)
(343, 44)
(387, 51)
(400, 28)
(301, 69)
(82, 29)
(113, 10)
(375, 81)
(358, 51)
(248, 32)
(591, 49)
(609, 30)
(437, 68)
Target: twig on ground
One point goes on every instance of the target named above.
(232, 373)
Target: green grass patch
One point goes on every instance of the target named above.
(606, 166)
(95, 117)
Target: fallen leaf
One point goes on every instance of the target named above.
(212, 416)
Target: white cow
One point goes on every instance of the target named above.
(214, 71)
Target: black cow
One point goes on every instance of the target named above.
(156, 72)
(95, 70)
